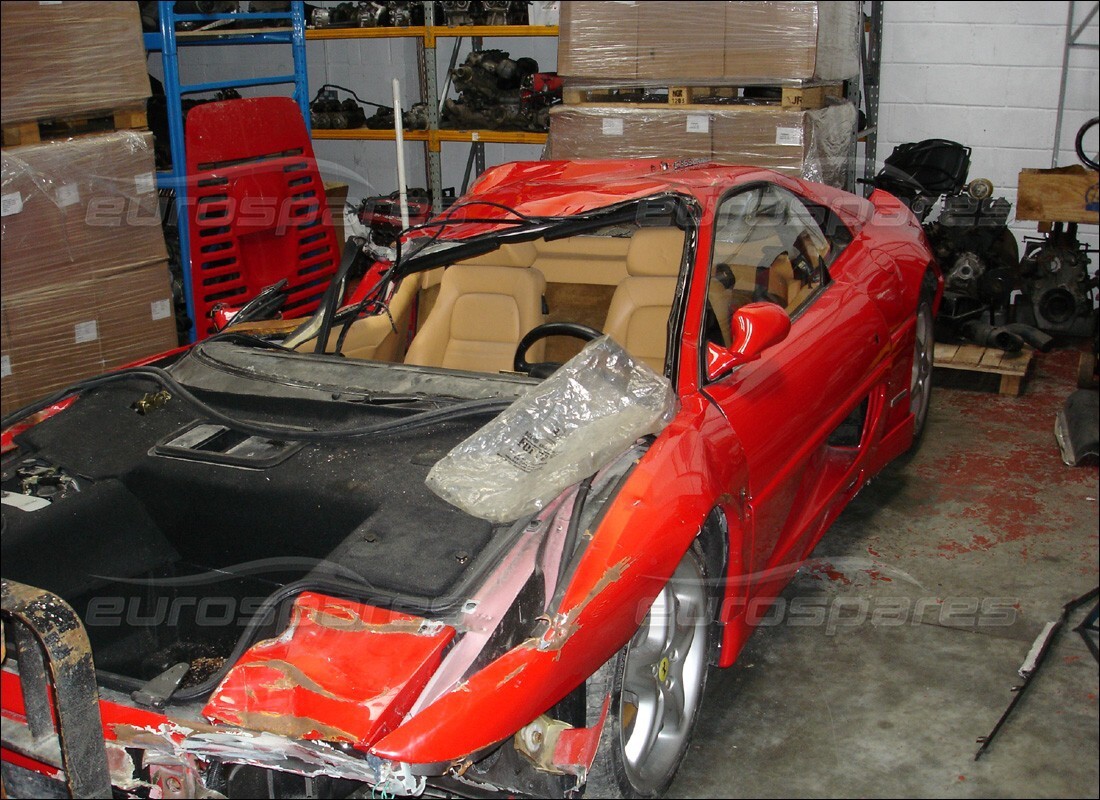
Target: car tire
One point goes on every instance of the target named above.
(656, 685)
(920, 383)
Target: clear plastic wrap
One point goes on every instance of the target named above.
(814, 145)
(77, 206)
(567, 427)
(63, 59)
(761, 42)
(85, 278)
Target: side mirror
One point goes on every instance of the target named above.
(754, 328)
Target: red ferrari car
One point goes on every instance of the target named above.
(484, 532)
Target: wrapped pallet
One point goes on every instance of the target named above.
(86, 285)
(69, 58)
(814, 145)
(736, 42)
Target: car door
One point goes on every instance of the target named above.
(806, 410)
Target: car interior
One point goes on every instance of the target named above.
(620, 280)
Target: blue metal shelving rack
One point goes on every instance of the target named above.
(168, 41)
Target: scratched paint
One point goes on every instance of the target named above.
(342, 671)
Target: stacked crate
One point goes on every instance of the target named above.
(85, 283)
(756, 83)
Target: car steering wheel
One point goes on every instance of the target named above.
(544, 369)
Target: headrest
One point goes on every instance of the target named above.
(517, 254)
(655, 252)
(812, 245)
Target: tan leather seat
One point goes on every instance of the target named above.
(789, 289)
(485, 306)
(380, 337)
(638, 316)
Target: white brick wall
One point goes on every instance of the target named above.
(986, 75)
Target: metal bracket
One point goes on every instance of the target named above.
(55, 659)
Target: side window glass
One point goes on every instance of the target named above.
(768, 247)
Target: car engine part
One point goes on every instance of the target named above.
(327, 111)
(483, 12)
(1058, 291)
(1077, 427)
(921, 172)
(382, 214)
(500, 93)
(991, 296)
(375, 14)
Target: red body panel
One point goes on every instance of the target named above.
(310, 682)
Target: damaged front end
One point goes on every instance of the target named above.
(246, 645)
(311, 711)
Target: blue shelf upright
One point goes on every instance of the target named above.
(168, 41)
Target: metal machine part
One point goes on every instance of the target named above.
(1077, 428)
(484, 12)
(1059, 292)
(1040, 648)
(353, 15)
(980, 259)
(492, 94)
(919, 173)
(327, 111)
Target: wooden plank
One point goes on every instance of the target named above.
(991, 359)
(1012, 385)
(64, 127)
(789, 98)
(1066, 194)
(944, 352)
(804, 98)
(970, 358)
(969, 355)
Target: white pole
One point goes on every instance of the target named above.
(399, 129)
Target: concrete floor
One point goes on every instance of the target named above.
(856, 690)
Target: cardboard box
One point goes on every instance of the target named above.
(336, 194)
(598, 39)
(774, 139)
(672, 43)
(11, 394)
(814, 145)
(629, 132)
(85, 284)
(58, 335)
(64, 59)
(1066, 194)
(736, 42)
(73, 209)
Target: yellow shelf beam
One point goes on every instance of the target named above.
(492, 137)
(433, 32)
(486, 31)
(366, 33)
(367, 134)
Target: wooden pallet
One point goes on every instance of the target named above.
(64, 127)
(1011, 367)
(792, 98)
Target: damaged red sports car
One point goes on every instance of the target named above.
(484, 530)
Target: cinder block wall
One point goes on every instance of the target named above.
(987, 75)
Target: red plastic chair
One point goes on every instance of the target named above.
(256, 208)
